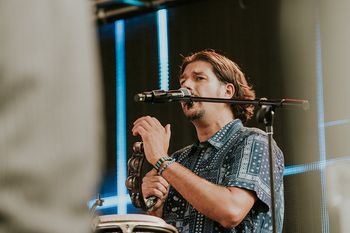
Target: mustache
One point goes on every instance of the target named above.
(189, 103)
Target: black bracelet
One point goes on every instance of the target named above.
(160, 161)
(165, 166)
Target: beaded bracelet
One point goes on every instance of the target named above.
(160, 161)
(165, 166)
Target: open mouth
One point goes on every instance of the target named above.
(188, 104)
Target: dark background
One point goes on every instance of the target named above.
(249, 34)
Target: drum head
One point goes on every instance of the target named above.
(133, 223)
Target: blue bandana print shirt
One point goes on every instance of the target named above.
(236, 156)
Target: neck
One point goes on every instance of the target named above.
(206, 127)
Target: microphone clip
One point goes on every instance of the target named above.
(162, 96)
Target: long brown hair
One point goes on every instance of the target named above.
(227, 72)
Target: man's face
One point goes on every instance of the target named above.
(199, 78)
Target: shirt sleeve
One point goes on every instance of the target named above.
(248, 167)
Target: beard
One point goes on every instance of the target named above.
(196, 115)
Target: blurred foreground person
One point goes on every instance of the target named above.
(221, 182)
(50, 116)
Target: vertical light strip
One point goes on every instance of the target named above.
(163, 56)
(120, 113)
(321, 124)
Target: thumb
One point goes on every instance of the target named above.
(168, 131)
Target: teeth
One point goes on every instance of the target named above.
(189, 104)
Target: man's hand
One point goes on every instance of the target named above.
(155, 137)
(155, 185)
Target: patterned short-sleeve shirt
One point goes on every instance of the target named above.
(236, 156)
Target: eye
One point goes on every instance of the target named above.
(198, 78)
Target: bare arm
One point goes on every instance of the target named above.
(226, 205)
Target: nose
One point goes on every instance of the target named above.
(188, 84)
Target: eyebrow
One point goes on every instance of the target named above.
(194, 72)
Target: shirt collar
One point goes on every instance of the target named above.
(225, 133)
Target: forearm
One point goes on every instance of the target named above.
(214, 201)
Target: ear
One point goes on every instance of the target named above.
(230, 90)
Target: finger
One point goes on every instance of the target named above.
(139, 119)
(148, 126)
(159, 203)
(144, 124)
(159, 125)
(158, 187)
(168, 131)
(150, 120)
(156, 179)
(139, 130)
(161, 188)
(148, 192)
(156, 122)
(163, 181)
(152, 176)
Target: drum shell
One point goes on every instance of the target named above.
(132, 223)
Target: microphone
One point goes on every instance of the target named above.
(161, 96)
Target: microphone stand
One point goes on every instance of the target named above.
(265, 115)
(282, 103)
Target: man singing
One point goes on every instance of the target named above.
(221, 182)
